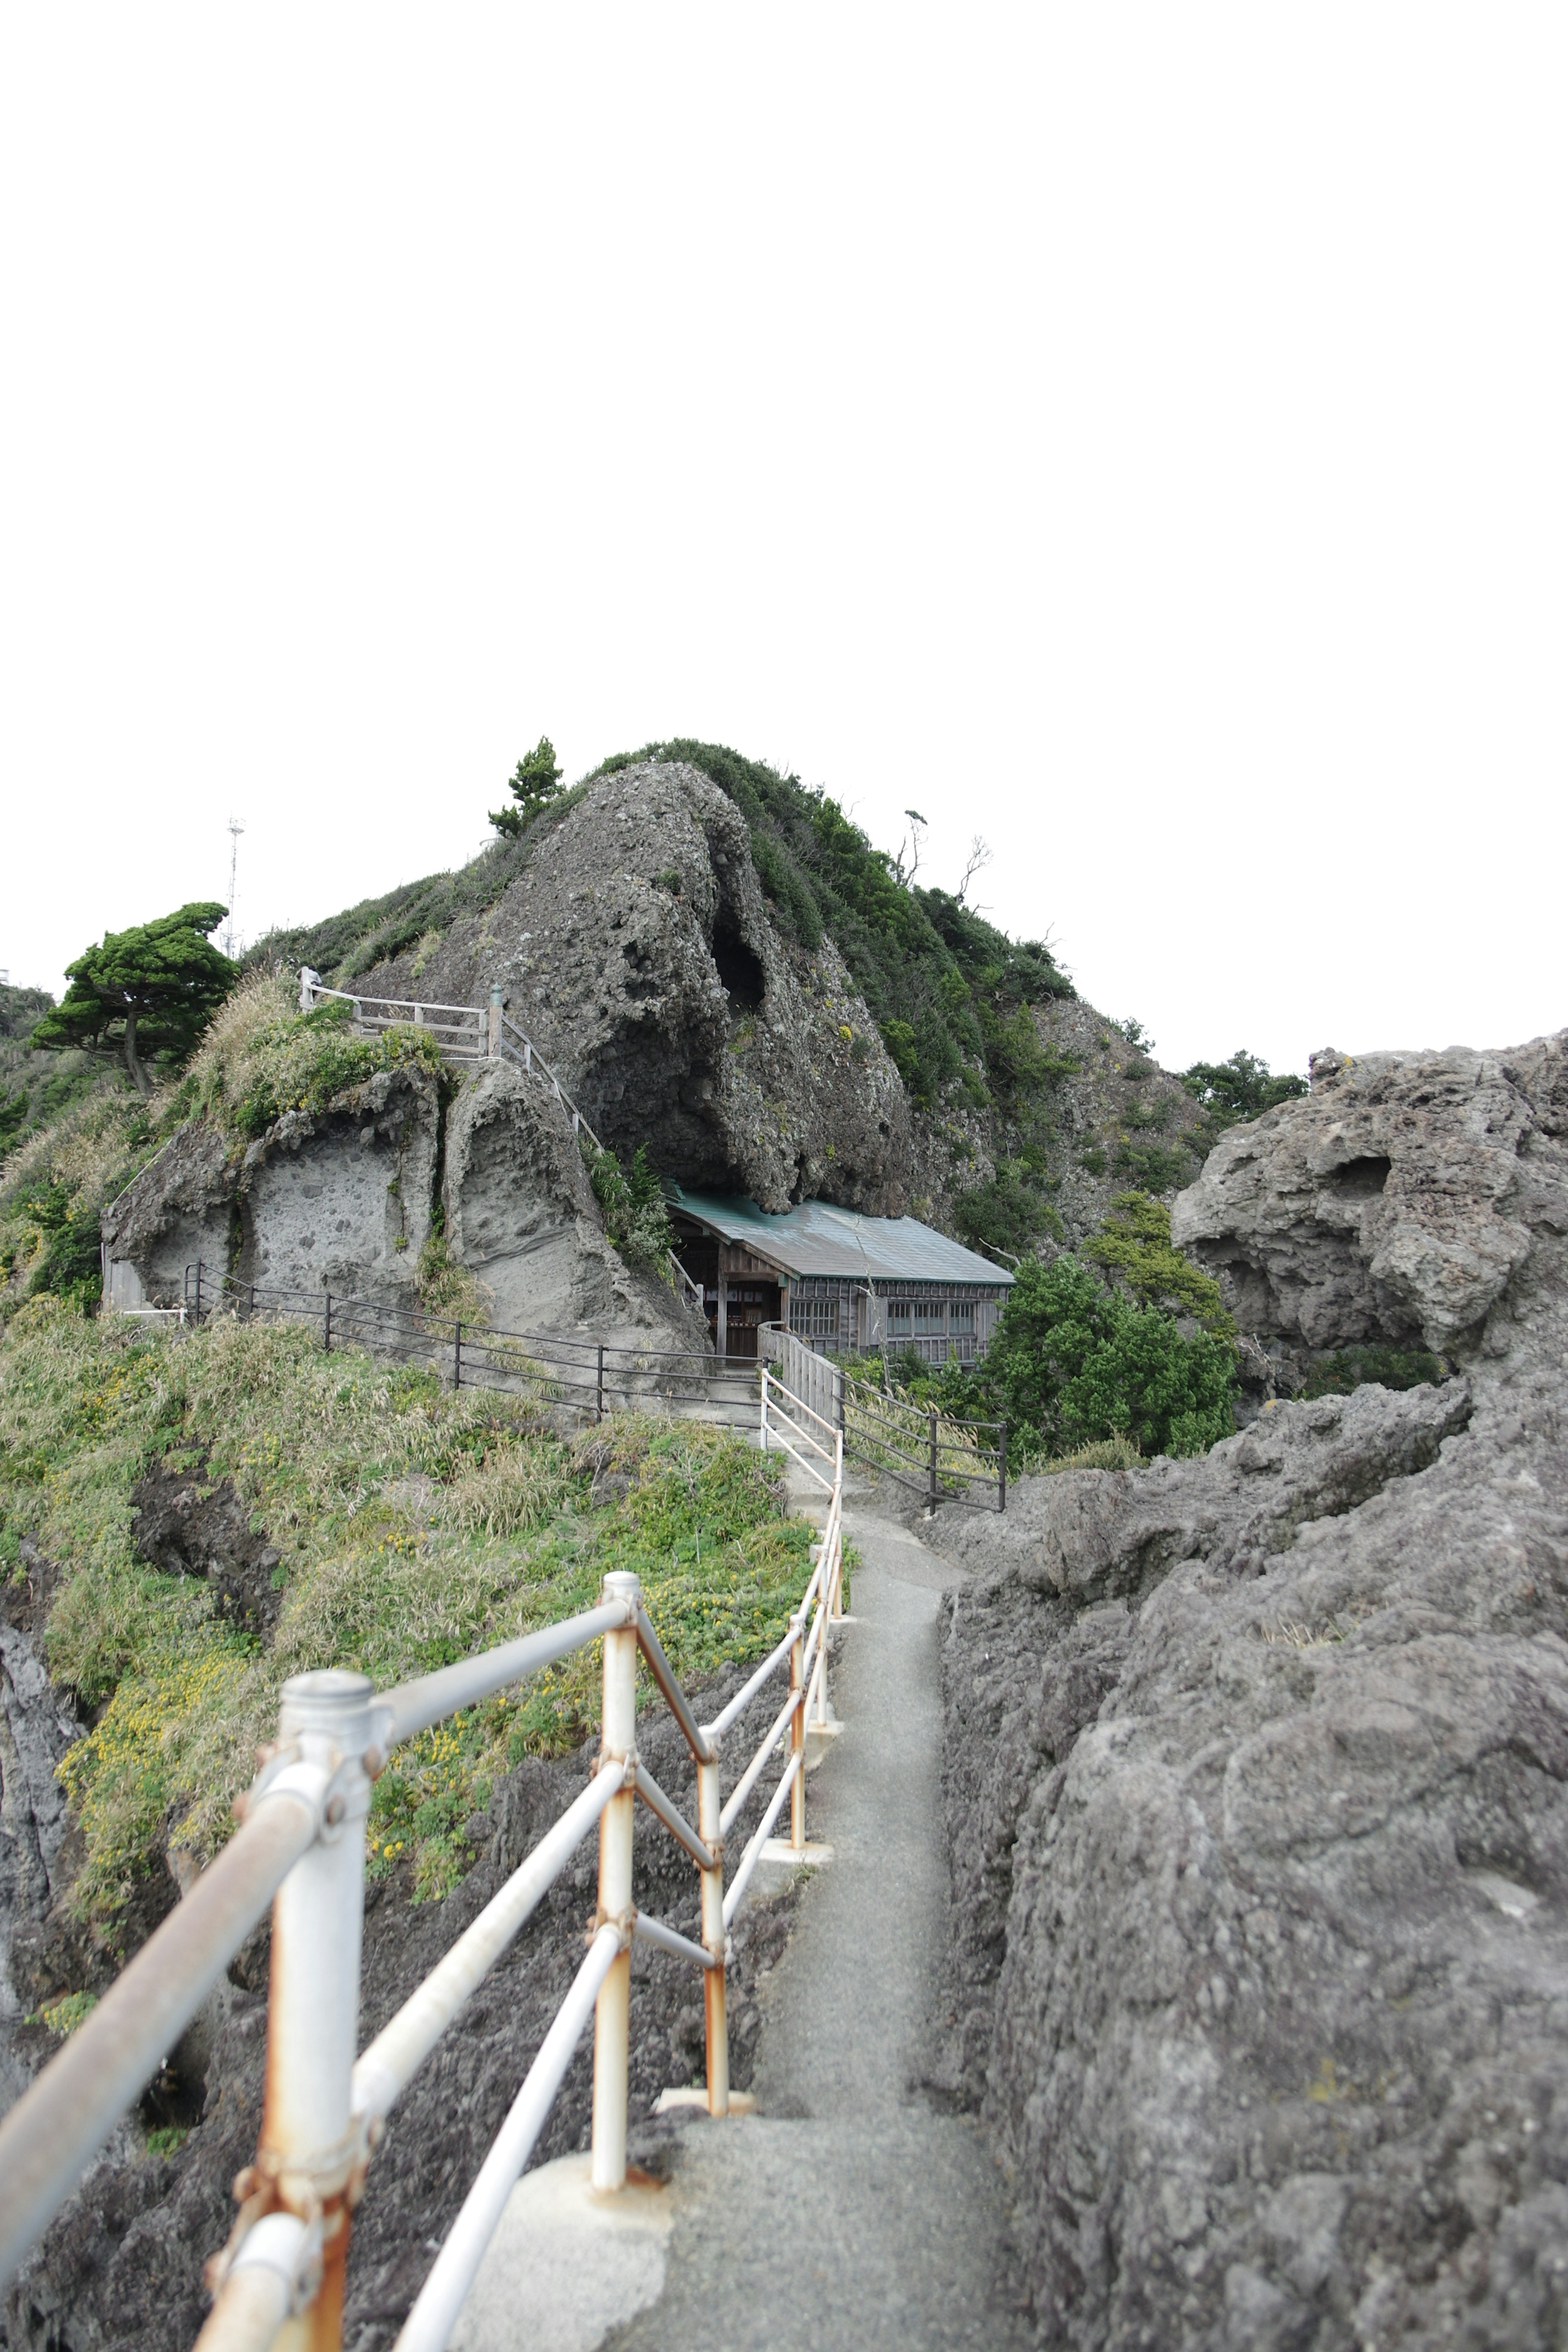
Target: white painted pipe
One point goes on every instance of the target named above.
(612, 2019)
(432, 2319)
(257, 2294)
(668, 1939)
(752, 1773)
(762, 1831)
(406, 2039)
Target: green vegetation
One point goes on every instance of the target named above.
(35, 1087)
(1009, 1212)
(65, 2015)
(1134, 1247)
(1075, 1364)
(1391, 1368)
(146, 994)
(1072, 1362)
(261, 1056)
(635, 1217)
(415, 1524)
(1237, 1089)
(535, 779)
(53, 1187)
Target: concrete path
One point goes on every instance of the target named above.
(850, 2211)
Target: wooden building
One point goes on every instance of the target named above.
(842, 1282)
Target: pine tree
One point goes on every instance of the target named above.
(535, 779)
(144, 991)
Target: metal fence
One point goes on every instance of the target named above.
(590, 1376)
(300, 1848)
(931, 1453)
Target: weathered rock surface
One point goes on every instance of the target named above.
(188, 1526)
(1393, 1202)
(1257, 1775)
(120, 2270)
(636, 949)
(36, 1726)
(344, 1200)
(520, 1216)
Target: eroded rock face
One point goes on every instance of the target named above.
(636, 952)
(1393, 1202)
(1257, 1778)
(343, 1199)
(36, 1726)
(522, 1216)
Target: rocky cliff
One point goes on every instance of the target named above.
(345, 1197)
(1258, 1772)
(635, 948)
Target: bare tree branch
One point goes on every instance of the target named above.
(979, 856)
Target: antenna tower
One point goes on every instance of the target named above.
(235, 830)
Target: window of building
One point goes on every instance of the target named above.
(961, 1318)
(899, 1312)
(813, 1318)
(930, 1316)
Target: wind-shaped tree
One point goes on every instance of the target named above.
(535, 779)
(144, 991)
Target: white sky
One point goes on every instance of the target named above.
(1134, 433)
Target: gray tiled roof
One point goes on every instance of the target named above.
(817, 1238)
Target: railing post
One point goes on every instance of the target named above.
(599, 1386)
(1002, 1469)
(931, 1504)
(764, 1439)
(196, 1309)
(308, 2161)
(458, 1354)
(714, 1999)
(492, 1040)
(612, 2013)
(837, 1609)
(797, 1734)
(326, 1323)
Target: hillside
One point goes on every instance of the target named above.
(1027, 1109)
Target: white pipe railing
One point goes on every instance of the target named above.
(300, 1847)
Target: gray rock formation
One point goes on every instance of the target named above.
(36, 1726)
(1393, 1203)
(636, 951)
(1258, 1773)
(343, 1199)
(339, 1200)
(522, 1216)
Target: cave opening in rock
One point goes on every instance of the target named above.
(1369, 1175)
(739, 968)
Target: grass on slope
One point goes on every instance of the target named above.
(259, 1057)
(415, 1525)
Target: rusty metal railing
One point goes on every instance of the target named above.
(299, 1846)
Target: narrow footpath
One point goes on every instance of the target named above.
(852, 2211)
(849, 2211)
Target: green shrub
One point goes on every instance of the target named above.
(1237, 1089)
(1390, 1367)
(261, 1056)
(1156, 1167)
(1134, 1245)
(1008, 1212)
(1072, 1362)
(635, 1217)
